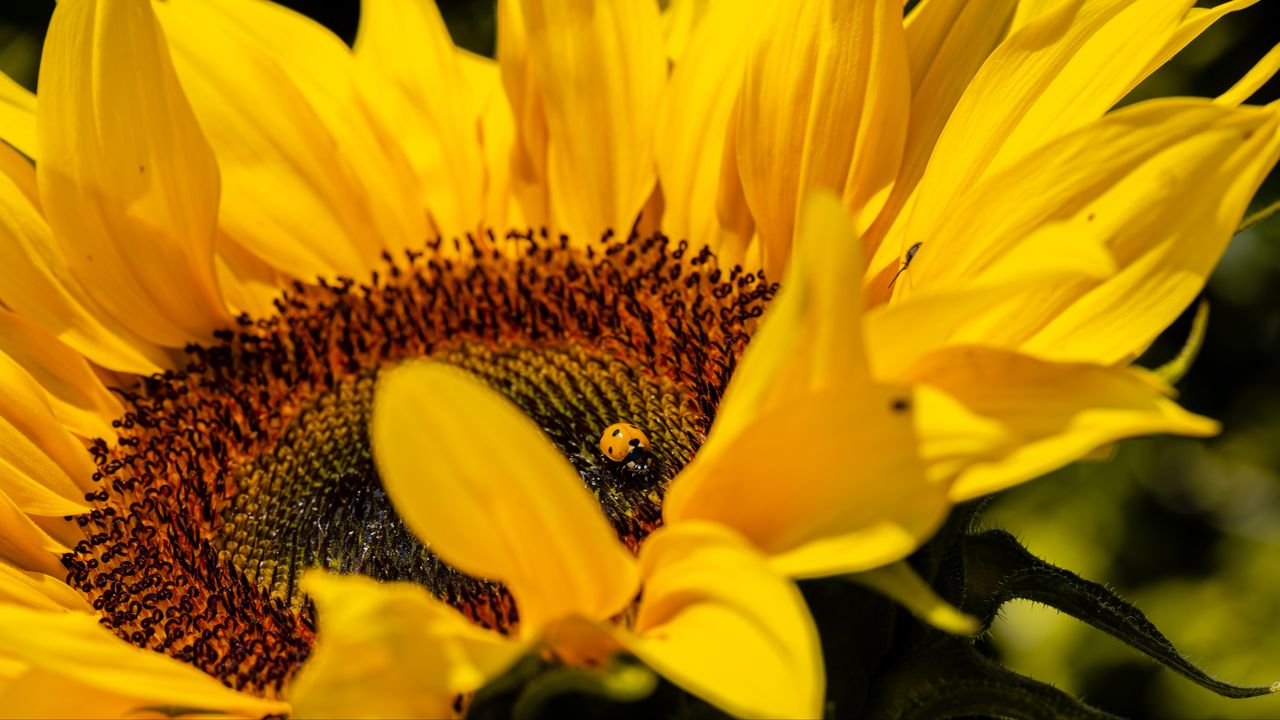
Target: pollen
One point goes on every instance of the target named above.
(251, 464)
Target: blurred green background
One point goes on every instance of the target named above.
(1188, 530)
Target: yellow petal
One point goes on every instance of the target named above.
(98, 664)
(739, 243)
(693, 125)
(1061, 70)
(36, 485)
(38, 591)
(899, 531)
(384, 210)
(1195, 22)
(412, 70)
(599, 69)
(39, 693)
(1053, 413)
(24, 544)
(128, 182)
(1168, 200)
(387, 650)
(498, 140)
(900, 583)
(823, 106)
(77, 397)
(1061, 181)
(1052, 256)
(717, 622)
(476, 478)
(43, 468)
(1029, 10)
(810, 337)
(843, 442)
(21, 172)
(1163, 184)
(1253, 80)
(35, 283)
(680, 18)
(287, 196)
(947, 42)
(951, 435)
(250, 284)
(529, 153)
(10, 669)
(17, 116)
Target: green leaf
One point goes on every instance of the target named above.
(538, 688)
(495, 699)
(999, 569)
(624, 680)
(952, 680)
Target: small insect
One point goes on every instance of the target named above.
(627, 444)
(906, 262)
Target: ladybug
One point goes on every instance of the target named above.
(627, 444)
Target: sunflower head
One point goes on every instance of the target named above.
(422, 362)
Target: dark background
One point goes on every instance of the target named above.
(1190, 530)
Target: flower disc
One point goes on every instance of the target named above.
(252, 464)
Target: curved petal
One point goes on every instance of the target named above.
(498, 140)
(823, 106)
(35, 283)
(1061, 70)
(1195, 22)
(1260, 74)
(811, 336)
(808, 483)
(902, 584)
(599, 69)
(698, 108)
(45, 470)
(413, 72)
(17, 116)
(1060, 254)
(35, 693)
(103, 674)
(1163, 184)
(717, 622)
(903, 526)
(1116, 320)
(321, 68)
(1052, 413)
(250, 284)
(803, 382)
(38, 591)
(529, 151)
(1141, 144)
(679, 20)
(391, 650)
(476, 479)
(20, 171)
(287, 196)
(128, 182)
(24, 544)
(947, 42)
(77, 397)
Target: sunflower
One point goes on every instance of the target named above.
(270, 245)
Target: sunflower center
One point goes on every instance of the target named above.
(253, 464)
(316, 500)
